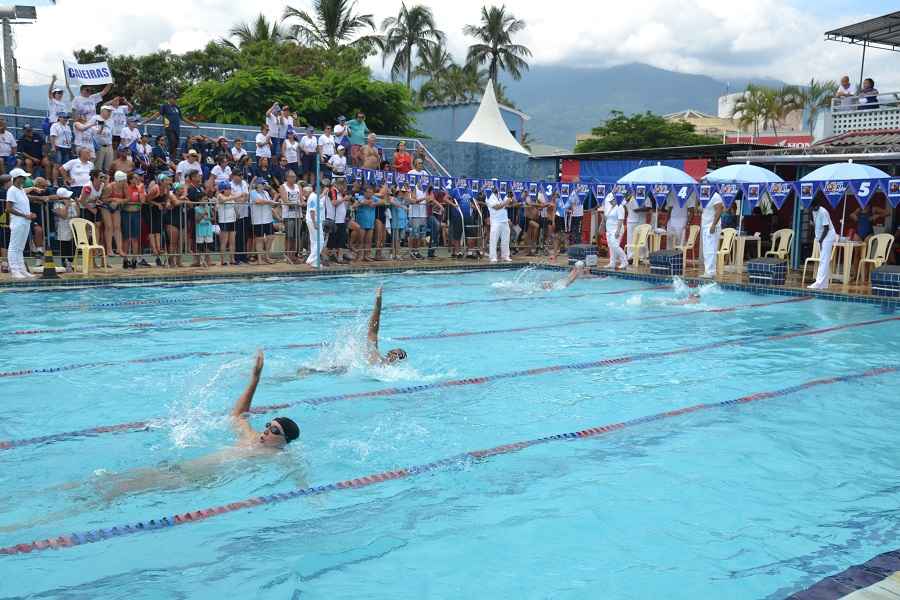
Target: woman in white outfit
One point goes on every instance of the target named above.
(826, 237)
(613, 215)
(315, 210)
(710, 227)
(677, 223)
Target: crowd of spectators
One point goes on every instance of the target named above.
(184, 194)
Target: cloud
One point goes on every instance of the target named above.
(723, 39)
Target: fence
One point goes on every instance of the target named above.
(847, 114)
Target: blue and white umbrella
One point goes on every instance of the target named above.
(657, 173)
(842, 172)
(743, 173)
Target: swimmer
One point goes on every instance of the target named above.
(577, 272)
(373, 355)
(692, 298)
(250, 448)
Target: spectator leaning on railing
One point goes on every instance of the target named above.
(868, 95)
(846, 93)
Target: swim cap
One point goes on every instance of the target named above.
(290, 429)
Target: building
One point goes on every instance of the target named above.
(715, 126)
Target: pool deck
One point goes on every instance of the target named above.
(114, 275)
(875, 579)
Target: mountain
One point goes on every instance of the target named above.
(564, 101)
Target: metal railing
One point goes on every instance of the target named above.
(848, 114)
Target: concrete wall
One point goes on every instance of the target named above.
(446, 123)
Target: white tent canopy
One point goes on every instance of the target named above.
(488, 127)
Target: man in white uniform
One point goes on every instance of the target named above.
(825, 235)
(499, 226)
(677, 223)
(636, 216)
(19, 209)
(614, 215)
(710, 228)
(315, 209)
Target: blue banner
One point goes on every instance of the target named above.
(640, 193)
(660, 192)
(600, 191)
(834, 191)
(548, 188)
(704, 193)
(462, 183)
(517, 187)
(532, 189)
(620, 190)
(473, 184)
(390, 179)
(779, 191)
(893, 191)
(806, 190)
(728, 191)
(583, 190)
(683, 193)
(565, 189)
(379, 177)
(446, 183)
(863, 190)
(752, 193)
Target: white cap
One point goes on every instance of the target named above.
(120, 176)
(19, 173)
(107, 107)
(56, 90)
(64, 192)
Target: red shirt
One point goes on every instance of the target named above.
(402, 162)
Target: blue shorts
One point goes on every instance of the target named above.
(131, 224)
(365, 216)
(9, 162)
(418, 227)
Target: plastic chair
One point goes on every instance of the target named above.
(877, 249)
(781, 244)
(85, 236)
(690, 244)
(641, 233)
(726, 247)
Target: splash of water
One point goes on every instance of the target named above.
(192, 414)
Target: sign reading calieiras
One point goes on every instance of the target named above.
(87, 74)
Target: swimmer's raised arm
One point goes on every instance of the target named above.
(375, 324)
(242, 406)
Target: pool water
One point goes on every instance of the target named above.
(756, 499)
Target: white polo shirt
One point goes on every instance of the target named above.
(20, 202)
(54, 107)
(327, 144)
(821, 220)
(129, 136)
(265, 150)
(338, 164)
(709, 213)
(291, 210)
(260, 214)
(7, 143)
(185, 168)
(79, 172)
(63, 135)
(614, 213)
(238, 153)
(85, 106)
(243, 209)
(309, 144)
(498, 215)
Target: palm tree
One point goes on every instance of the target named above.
(259, 30)
(495, 46)
(749, 109)
(332, 25)
(814, 98)
(413, 29)
(434, 61)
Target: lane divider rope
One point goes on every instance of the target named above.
(99, 534)
(442, 335)
(144, 325)
(399, 391)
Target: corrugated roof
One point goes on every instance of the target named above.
(880, 32)
(881, 137)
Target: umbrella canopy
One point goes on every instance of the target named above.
(745, 173)
(847, 170)
(657, 174)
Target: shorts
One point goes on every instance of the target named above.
(93, 217)
(154, 219)
(225, 227)
(456, 225)
(292, 228)
(308, 162)
(366, 218)
(418, 227)
(203, 239)
(171, 218)
(62, 155)
(338, 238)
(559, 224)
(9, 162)
(131, 224)
(263, 229)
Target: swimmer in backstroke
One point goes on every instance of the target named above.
(373, 355)
(250, 447)
(577, 272)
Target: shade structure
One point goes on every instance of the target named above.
(845, 170)
(657, 174)
(745, 173)
(487, 126)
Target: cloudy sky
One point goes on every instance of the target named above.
(770, 38)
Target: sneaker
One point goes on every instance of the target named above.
(18, 275)
(126, 264)
(431, 254)
(158, 262)
(509, 260)
(29, 275)
(143, 263)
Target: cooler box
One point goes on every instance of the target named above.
(886, 281)
(584, 252)
(768, 271)
(667, 262)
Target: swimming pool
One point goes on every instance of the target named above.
(783, 470)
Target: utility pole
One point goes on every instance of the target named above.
(9, 16)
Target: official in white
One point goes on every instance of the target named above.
(677, 223)
(499, 226)
(711, 228)
(315, 210)
(19, 209)
(826, 236)
(614, 216)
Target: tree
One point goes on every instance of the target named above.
(318, 98)
(412, 30)
(495, 45)
(261, 30)
(815, 97)
(332, 25)
(455, 84)
(749, 108)
(767, 106)
(646, 130)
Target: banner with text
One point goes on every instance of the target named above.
(89, 74)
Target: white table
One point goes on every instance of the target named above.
(847, 248)
(738, 255)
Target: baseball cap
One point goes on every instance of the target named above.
(19, 173)
(106, 107)
(224, 185)
(56, 90)
(341, 119)
(310, 128)
(63, 115)
(193, 152)
(26, 126)
(260, 181)
(341, 149)
(64, 192)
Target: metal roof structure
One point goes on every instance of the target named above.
(881, 32)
